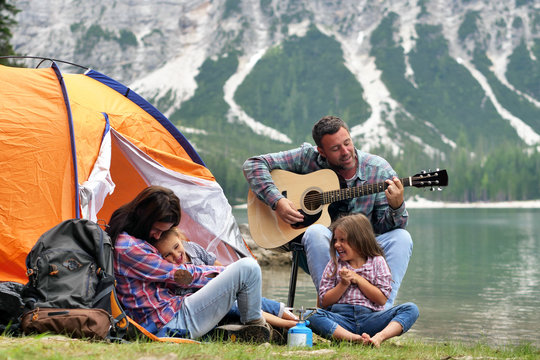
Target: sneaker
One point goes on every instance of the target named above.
(242, 333)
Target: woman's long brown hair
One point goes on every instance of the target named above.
(153, 204)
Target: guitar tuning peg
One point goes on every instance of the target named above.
(431, 189)
(423, 172)
(439, 189)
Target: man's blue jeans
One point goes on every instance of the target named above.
(360, 319)
(397, 245)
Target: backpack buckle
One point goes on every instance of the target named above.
(53, 269)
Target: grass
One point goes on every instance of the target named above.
(58, 347)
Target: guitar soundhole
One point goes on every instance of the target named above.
(312, 200)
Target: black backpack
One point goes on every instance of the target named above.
(71, 287)
(11, 307)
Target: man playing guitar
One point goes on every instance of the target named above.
(335, 150)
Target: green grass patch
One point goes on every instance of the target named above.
(407, 347)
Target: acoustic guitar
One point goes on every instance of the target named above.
(312, 194)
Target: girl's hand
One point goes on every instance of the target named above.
(183, 277)
(347, 276)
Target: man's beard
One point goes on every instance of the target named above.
(342, 167)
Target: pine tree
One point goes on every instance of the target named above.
(7, 12)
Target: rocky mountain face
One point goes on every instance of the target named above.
(429, 76)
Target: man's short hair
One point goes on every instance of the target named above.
(327, 125)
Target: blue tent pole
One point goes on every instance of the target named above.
(71, 136)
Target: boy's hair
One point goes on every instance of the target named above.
(359, 235)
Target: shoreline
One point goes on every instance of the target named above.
(268, 257)
(417, 202)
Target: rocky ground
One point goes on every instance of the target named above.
(265, 257)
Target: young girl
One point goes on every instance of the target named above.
(355, 286)
(177, 249)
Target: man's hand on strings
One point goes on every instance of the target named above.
(287, 211)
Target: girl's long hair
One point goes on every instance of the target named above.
(359, 235)
(153, 204)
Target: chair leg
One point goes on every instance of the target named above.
(296, 248)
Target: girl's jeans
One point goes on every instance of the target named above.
(360, 319)
(202, 311)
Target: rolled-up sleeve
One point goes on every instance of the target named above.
(301, 160)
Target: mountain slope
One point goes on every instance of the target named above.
(418, 81)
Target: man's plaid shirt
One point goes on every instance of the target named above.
(305, 160)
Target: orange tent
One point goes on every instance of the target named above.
(81, 145)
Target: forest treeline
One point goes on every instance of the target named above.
(508, 173)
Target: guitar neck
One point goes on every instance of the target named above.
(358, 191)
(311, 193)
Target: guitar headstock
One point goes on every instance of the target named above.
(430, 179)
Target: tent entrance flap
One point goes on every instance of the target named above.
(206, 213)
(99, 184)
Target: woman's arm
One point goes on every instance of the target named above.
(138, 259)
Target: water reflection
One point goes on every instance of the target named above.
(276, 286)
(474, 273)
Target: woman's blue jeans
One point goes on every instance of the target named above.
(360, 319)
(202, 311)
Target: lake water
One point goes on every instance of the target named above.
(474, 274)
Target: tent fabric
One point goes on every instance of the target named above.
(150, 110)
(199, 213)
(81, 145)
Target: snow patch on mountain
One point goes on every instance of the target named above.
(176, 78)
(235, 112)
(175, 38)
(524, 131)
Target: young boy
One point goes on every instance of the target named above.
(175, 248)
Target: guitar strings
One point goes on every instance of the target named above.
(335, 195)
(358, 190)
